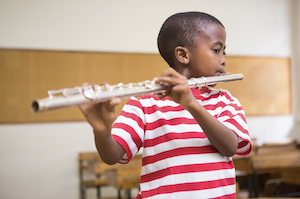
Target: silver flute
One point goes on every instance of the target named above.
(69, 97)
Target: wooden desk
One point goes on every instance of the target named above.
(291, 174)
(120, 176)
(269, 156)
(282, 158)
(86, 161)
(276, 160)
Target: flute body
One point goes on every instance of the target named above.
(69, 97)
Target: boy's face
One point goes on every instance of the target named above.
(207, 56)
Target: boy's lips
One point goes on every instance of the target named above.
(219, 73)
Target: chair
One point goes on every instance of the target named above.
(120, 176)
(86, 161)
(264, 164)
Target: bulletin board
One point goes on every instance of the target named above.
(26, 75)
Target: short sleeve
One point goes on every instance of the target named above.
(128, 129)
(233, 116)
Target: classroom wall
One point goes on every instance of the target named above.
(295, 66)
(39, 160)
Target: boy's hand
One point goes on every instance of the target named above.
(179, 90)
(102, 115)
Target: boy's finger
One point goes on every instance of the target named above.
(110, 105)
(171, 72)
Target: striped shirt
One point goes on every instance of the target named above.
(178, 160)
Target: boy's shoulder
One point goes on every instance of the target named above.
(206, 90)
(204, 94)
(210, 92)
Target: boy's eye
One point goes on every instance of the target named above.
(217, 50)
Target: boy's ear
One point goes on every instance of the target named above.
(182, 54)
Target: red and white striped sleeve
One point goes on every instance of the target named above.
(128, 129)
(233, 116)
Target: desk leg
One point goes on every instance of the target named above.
(255, 179)
(128, 194)
(98, 192)
(119, 194)
(250, 186)
(98, 189)
(81, 187)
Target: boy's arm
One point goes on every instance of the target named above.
(101, 117)
(221, 137)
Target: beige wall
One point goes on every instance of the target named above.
(295, 62)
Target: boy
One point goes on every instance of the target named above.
(189, 136)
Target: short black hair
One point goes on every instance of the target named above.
(180, 30)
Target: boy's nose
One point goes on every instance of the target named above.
(223, 62)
